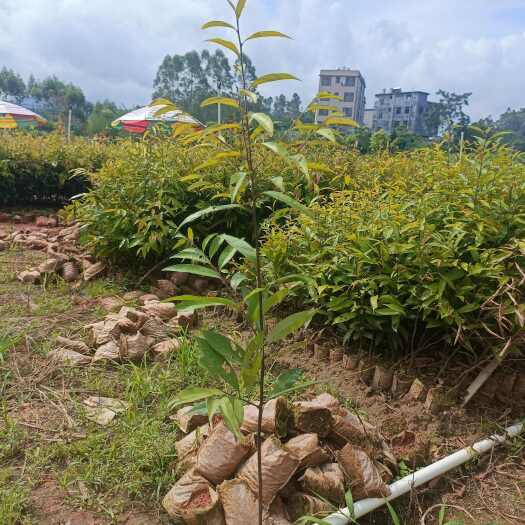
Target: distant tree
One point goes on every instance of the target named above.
(513, 121)
(360, 139)
(379, 141)
(12, 85)
(402, 139)
(189, 79)
(100, 119)
(448, 113)
(57, 98)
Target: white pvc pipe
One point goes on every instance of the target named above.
(406, 484)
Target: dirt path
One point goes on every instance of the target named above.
(57, 466)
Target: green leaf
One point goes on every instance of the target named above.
(241, 4)
(393, 514)
(222, 345)
(285, 381)
(278, 182)
(228, 44)
(273, 77)
(266, 34)
(274, 299)
(241, 246)
(290, 324)
(213, 406)
(192, 394)
(207, 211)
(225, 101)
(326, 95)
(264, 120)
(193, 254)
(231, 412)
(252, 361)
(277, 148)
(241, 177)
(194, 269)
(302, 164)
(226, 256)
(340, 121)
(217, 23)
(237, 280)
(161, 102)
(349, 499)
(289, 201)
(216, 365)
(249, 95)
(215, 245)
(327, 133)
(195, 302)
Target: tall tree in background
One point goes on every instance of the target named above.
(101, 117)
(57, 97)
(12, 86)
(448, 113)
(189, 79)
(513, 121)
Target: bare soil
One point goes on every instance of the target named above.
(48, 439)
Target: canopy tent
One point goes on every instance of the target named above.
(139, 120)
(13, 116)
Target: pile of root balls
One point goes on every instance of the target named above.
(313, 452)
(128, 335)
(65, 258)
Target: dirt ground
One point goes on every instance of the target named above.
(57, 467)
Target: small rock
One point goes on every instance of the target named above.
(164, 348)
(107, 352)
(100, 415)
(350, 361)
(148, 298)
(77, 346)
(382, 379)
(68, 357)
(29, 277)
(132, 296)
(94, 270)
(336, 355)
(416, 391)
(321, 353)
(179, 278)
(110, 304)
(163, 310)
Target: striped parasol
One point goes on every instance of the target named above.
(13, 116)
(139, 120)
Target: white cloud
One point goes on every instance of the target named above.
(112, 49)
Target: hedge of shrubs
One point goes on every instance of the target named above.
(406, 256)
(40, 168)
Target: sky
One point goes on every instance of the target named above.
(112, 48)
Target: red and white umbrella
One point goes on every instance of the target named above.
(139, 120)
(13, 116)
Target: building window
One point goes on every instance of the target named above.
(326, 81)
(398, 110)
(349, 97)
(337, 80)
(348, 112)
(350, 81)
(380, 116)
(323, 112)
(407, 110)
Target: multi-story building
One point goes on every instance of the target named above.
(348, 84)
(395, 108)
(368, 121)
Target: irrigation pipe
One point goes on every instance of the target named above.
(406, 484)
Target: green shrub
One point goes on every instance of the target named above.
(406, 255)
(39, 168)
